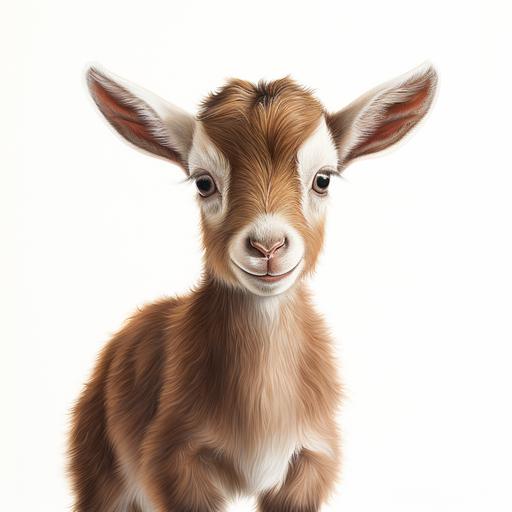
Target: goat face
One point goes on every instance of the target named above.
(254, 157)
(261, 157)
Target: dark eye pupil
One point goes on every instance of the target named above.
(322, 181)
(204, 184)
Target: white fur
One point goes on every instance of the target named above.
(316, 443)
(266, 463)
(205, 156)
(317, 152)
(280, 433)
(267, 466)
(267, 226)
(133, 491)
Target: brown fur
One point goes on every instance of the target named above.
(189, 380)
(194, 389)
(259, 128)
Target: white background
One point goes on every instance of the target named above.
(416, 275)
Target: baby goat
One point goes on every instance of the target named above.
(232, 389)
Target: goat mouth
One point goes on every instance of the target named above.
(268, 278)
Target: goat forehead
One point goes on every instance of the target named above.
(260, 125)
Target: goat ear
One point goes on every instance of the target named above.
(384, 115)
(141, 117)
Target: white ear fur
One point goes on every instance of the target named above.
(373, 111)
(168, 125)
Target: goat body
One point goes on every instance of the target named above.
(232, 389)
(214, 391)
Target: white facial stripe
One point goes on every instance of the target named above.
(317, 152)
(204, 155)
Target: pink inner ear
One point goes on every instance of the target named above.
(388, 129)
(129, 122)
(396, 121)
(121, 116)
(413, 103)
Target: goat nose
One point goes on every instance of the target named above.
(264, 249)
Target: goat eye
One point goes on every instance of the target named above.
(321, 182)
(205, 185)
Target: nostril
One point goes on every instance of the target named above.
(259, 247)
(277, 246)
(268, 249)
